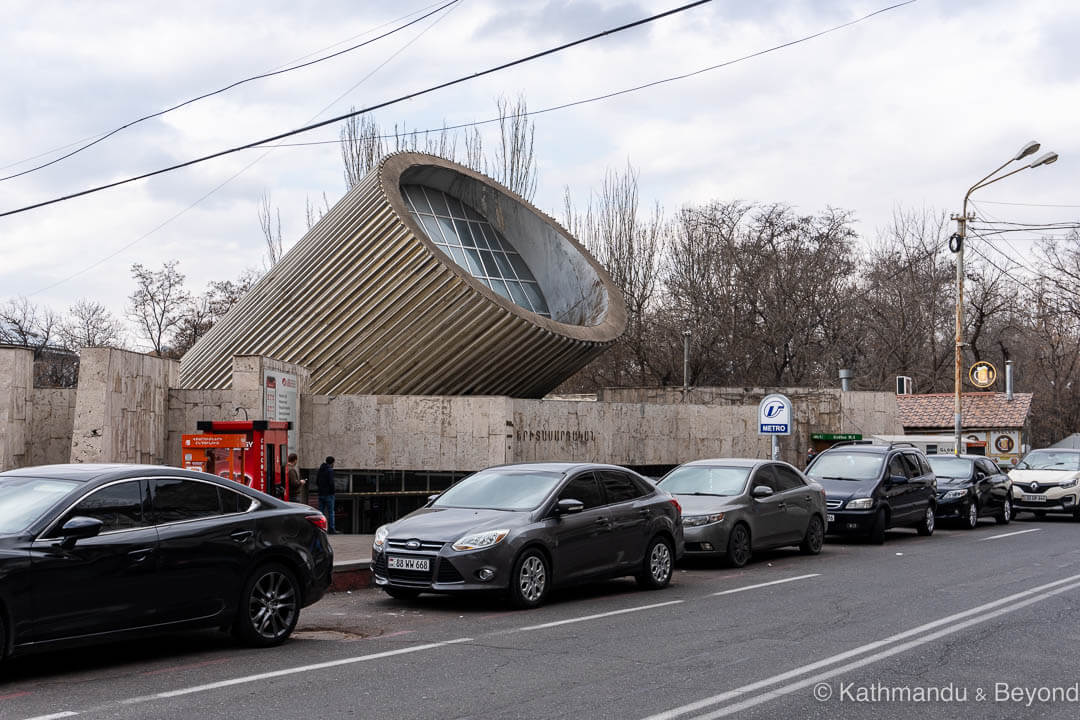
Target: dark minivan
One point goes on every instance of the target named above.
(871, 488)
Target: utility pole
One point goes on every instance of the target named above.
(956, 244)
(686, 364)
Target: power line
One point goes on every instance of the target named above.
(242, 170)
(402, 98)
(999, 202)
(625, 91)
(261, 76)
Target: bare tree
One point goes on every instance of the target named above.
(270, 224)
(362, 147)
(157, 305)
(90, 324)
(24, 323)
(314, 213)
(515, 162)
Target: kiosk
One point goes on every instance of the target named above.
(252, 452)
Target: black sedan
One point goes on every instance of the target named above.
(970, 487)
(522, 529)
(89, 552)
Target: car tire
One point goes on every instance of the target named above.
(970, 518)
(877, 530)
(1005, 516)
(401, 593)
(658, 564)
(814, 537)
(926, 525)
(530, 580)
(739, 548)
(269, 606)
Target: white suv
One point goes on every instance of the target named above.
(1047, 481)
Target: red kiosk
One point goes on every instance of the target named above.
(252, 452)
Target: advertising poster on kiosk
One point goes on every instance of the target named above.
(281, 401)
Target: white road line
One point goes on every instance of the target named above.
(863, 662)
(766, 584)
(862, 650)
(55, 716)
(593, 617)
(289, 671)
(1018, 532)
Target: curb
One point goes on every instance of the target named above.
(351, 576)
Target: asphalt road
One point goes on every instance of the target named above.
(964, 624)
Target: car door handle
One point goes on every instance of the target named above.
(241, 535)
(602, 521)
(137, 556)
(781, 506)
(644, 512)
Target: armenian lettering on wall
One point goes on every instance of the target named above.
(280, 401)
(555, 436)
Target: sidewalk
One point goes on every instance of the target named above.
(352, 562)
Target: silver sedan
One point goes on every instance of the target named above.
(734, 506)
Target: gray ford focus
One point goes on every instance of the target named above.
(524, 529)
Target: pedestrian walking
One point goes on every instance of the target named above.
(292, 475)
(324, 483)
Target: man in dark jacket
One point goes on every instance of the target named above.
(324, 483)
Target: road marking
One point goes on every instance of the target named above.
(593, 617)
(766, 584)
(896, 650)
(1018, 532)
(854, 652)
(279, 673)
(55, 716)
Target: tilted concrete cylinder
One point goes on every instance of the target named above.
(371, 305)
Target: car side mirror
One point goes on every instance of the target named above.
(569, 506)
(897, 480)
(761, 491)
(79, 528)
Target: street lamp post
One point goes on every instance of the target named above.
(956, 244)
(686, 364)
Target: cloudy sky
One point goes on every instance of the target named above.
(905, 109)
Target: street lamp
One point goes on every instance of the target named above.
(956, 244)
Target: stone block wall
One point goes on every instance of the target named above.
(121, 412)
(187, 408)
(54, 419)
(16, 406)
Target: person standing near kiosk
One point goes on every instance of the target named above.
(324, 483)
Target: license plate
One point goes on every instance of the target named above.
(830, 517)
(1033, 498)
(407, 563)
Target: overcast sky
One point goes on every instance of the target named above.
(907, 108)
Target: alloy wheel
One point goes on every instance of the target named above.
(532, 579)
(973, 515)
(740, 546)
(929, 521)
(660, 562)
(272, 605)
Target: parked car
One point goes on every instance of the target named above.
(1045, 481)
(523, 529)
(870, 488)
(91, 552)
(734, 506)
(970, 487)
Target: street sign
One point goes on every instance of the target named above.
(774, 415)
(835, 437)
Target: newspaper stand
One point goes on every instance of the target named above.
(252, 452)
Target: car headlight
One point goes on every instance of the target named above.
(698, 520)
(479, 540)
(954, 494)
(380, 537)
(860, 504)
(1069, 483)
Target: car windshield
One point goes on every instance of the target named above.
(705, 480)
(24, 499)
(1050, 460)
(945, 466)
(846, 466)
(500, 489)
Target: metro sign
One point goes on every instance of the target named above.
(774, 415)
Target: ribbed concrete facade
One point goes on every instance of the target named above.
(369, 304)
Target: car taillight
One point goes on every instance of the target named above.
(318, 520)
(678, 507)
